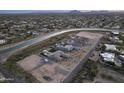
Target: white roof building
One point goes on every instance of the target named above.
(108, 56)
(2, 41)
(110, 47)
(45, 29)
(58, 55)
(115, 32)
(116, 38)
(111, 58)
(69, 47)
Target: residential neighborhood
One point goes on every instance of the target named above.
(62, 48)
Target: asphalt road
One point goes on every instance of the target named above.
(7, 51)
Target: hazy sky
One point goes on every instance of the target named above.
(29, 11)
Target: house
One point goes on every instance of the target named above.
(115, 32)
(108, 56)
(122, 52)
(58, 55)
(115, 39)
(70, 42)
(110, 47)
(35, 33)
(2, 41)
(121, 57)
(45, 29)
(116, 27)
(118, 63)
(67, 47)
(45, 52)
(29, 32)
(2, 36)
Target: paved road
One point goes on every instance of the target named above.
(7, 51)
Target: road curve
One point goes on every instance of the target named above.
(7, 51)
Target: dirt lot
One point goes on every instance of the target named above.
(77, 56)
(38, 68)
(57, 71)
(89, 35)
(106, 75)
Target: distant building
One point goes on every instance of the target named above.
(2, 41)
(110, 47)
(45, 29)
(122, 52)
(67, 47)
(58, 55)
(35, 33)
(115, 39)
(108, 56)
(121, 57)
(115, 32)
